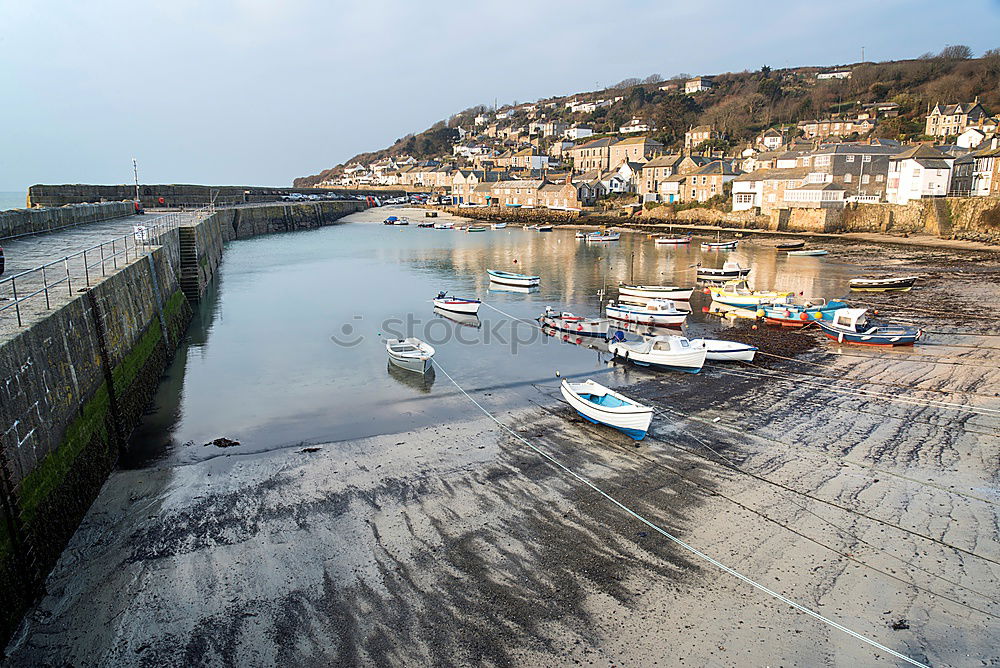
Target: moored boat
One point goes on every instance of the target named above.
(815, 252)
(391, 220)
(600, 405)
(499, 226)
(604, 236)
(457, 304)
(718, 245)
(425, 224)
(575, 324)
(673, 292)
(444, 226)
(719, 350)
(411, 354)
(729, 272)
(901, 284)
(581, 235)
(544, 228)
(510, 278)
(475, 228)
(800, 315)
(667, 351)
(738, 293)
(660, 312)
(851, 325)
(790, 245)
(667, 241)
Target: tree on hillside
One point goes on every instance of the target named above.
(955, 52)
(652, 79)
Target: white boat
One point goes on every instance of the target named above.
(883, 284)
(817, 252)
(499, 226)
(738, 293)
(673, 292)
(667, 241)
(574, 324)
(718, 245)
(669, 352)
(510, 278)
(581, 235)
(729, 271)
(411, 354)
(466, 319)
(457, 304)
(544, 228)
(726, 351)
(661, 312)
(600, 405)
(606, 236)
(444, 226)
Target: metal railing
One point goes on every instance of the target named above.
(23, 292)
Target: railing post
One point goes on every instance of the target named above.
(114, 255)
(69, 279)
(45, 286)
(103, 271)
(86, 269)
(17, 304)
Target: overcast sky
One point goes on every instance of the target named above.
(257, 92)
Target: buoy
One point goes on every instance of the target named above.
(704, 309)
(760, 313)
(817, 315)
(875, 312)
(557, 373)
(753, 327)
(803, 316)
(707, 291)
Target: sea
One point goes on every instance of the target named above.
(12, 200)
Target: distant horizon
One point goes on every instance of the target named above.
(284, 92)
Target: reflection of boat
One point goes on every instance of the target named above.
(421, 382)
(457, 304)
(800, 314)
(719, 350)
(575, 324)
(656, 312)
(655, 292)
(729, 271)
(882, 284)
(411, 354)
(544, 228)
(500, 287)
(499, 226)
(739, 294)
(444, 226)
(466, 319)
(599, 405)
(595, 343)
(666, 241)
(851, 325)
(510, 278)
(815, 252)
(605, 236)
(790, 245)
(670, 352)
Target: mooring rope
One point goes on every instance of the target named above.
(690, 548)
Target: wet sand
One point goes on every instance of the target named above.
(858, 482)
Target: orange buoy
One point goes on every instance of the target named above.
(803, 316)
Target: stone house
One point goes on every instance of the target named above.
(708, 181)
(771, 139)
(696, 135)
(862, 169)
(592, 155)
(633, 149)
(697, 85)
(653, 172)
(945, 120)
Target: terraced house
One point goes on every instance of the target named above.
(946, 120)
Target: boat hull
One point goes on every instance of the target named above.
(690, 361)
(720, 275)
(646, 318)
(677, 295)
(595, 327)
(499, 226)
(633, 421)
(882, 285)
(725, 351)
(719, 246)
(672, 242)
(458, 305)
(413, 364)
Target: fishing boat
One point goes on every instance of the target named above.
(475, 228)
(667, 351)
(444, 226)
(510, 278)
(883, 284)
(655, 292)
(499, 226)
(739, 294)
(604, 236)
(596, 403)
(668, 241)
(729, 272)
(719, 350)
(851, 325)
(815, 252)
(402, 221)
(465, 319)
(391, 220)
(425, 225)
(544, 228)
(790, 245)
(457, 304)
(411, 354)
(574, 324)
(659, 312)
(799, 315)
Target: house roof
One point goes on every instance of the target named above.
(638, 140)
(771, 132)
(820, 186)
(596, 143)
(722, 167)
(920, 152)
(930, 163)
(664, 161)
(952, 109)
(701, 128)
(777, 174)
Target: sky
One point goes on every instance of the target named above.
(252, 92)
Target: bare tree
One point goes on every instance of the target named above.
(955, 52)
(652, 79)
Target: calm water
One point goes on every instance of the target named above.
(262, 365)
(12, 200)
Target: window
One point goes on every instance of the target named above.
(866, 158)
(865, 179)
(847, 177)
(850, 158)
(878, 178)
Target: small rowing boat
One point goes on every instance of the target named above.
(739, 294)
(391, 220)
(667, 351)
(799, 315)
(581, 235)
(606, 236)
(815, 252)
(575, 324)
(510, 278)
(883, 284)
(673, 292)
(790, 245)
(544, 228)
(597, 404)
(457, 304)
(499, 226)
(729, 272)
(444, 226)
(851, 325)
(659, 312)
(719, 350)
(719, 245)
(411, 354)
(425, 225)
(475, 228)
(666, 241)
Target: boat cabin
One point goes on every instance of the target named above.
(853, 319)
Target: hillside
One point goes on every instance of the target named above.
(742, 104)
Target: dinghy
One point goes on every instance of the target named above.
(606, 236)
(799, 315)
(666, 241)
(457, 304)
(815, 252)
(790, 245)
(739, 294)
(574, 324)
(475, 228)
(581, 235)
(402, 221)
(425, 225)
(718, 245)
(851, 325)
(729, 271)
(719, 350)
(544, 228)
(391, 220)
(499, 226)
(668, 352)
(444, 226)
(660, 312)
(411, 354)
(510, 278)
(655, 292)
(882, 284)
(600, 405)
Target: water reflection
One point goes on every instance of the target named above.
(422, 382)
(464, 319)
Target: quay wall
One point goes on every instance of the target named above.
(19, 222)
(75, 384)
(174, 195)
(515, 215)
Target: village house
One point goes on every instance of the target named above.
(815, 196)
(529, 158)
(946, 120)
(697, 85)
(976, 174)
(696, 135)
(764, 189)
(655, 171)
(862, 169)
(971, 138)
(836, 127)
(918, 172)
(592, 155)
(559, 147)
(578, 132)
(840, 74)
(707, 182)
(771, 139)
(634, 125)
(633, 149)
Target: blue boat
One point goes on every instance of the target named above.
(791, 315)
(851, 325)
(600, 405)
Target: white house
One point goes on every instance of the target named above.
(635, 125)
(771, 139)
(481, 119)
(747, 194)
(971, 138)
(841, 74)
(578, 132)
(918, 172)
(697, 85)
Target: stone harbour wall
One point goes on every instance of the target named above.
(19, 222)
